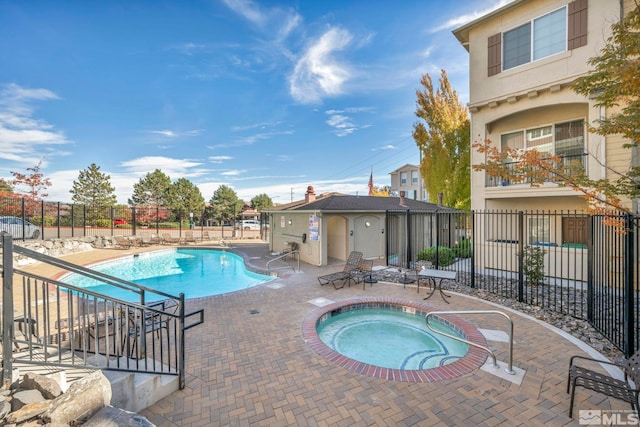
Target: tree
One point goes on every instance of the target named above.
(614, 83)
(5, 188)
(444, 142)
(225, 204)
(380, 191)
(35, 182)
(184, 197)
(152, 190)
(93, 188)
(261, 201)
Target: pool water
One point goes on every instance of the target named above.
(196, 272)
(390, 339)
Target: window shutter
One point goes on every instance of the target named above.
(577, 24)
(495, 54)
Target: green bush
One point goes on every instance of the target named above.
(533, 264)
(462, 249)
(446, 256)
(103, 223)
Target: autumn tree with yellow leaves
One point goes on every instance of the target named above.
(443, 137)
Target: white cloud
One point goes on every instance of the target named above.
(24, 139)
(463, 19)
(175, 134)
(270, 21)
(319, 73)
(219, 159)
(233, 172)
(182, 168)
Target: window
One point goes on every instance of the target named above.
(564, 139)
(542, 37)
(539, 230)
(403, 178)
(414, 177)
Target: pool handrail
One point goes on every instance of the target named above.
(509, 370)
(284, 256)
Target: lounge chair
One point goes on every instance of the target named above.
(189, 237)
(168, 239)
(121, 242)
(346, 274)
(579, 376)
(205, 236)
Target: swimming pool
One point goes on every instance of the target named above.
(196, 272)
(388, 339)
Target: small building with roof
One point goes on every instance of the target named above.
(327, 227)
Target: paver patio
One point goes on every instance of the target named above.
(249, 365)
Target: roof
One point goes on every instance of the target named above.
(462, 33)
(406, 166)
(334, 202)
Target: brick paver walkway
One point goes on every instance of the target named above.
(249, 365)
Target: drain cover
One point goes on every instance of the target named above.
(254, 311)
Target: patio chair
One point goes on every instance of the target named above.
(168, 239)
(151, 322)
(189, 237)
(205, 236)
(121, 242)
(605, 384)
(352, 263)
(292, 247)
(362, 272)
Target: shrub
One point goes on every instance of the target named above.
(533, 264)
(103, 223)
(462, 249)
(446, 256)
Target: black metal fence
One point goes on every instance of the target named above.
(28, 219)
(576, 264)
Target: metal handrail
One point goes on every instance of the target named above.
(509, 369)
(56, 320)
(295, 252)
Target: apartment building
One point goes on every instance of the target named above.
(523, 59)
(407, 178)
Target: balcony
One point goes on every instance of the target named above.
(568, 162)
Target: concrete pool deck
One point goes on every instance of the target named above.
(249, 364)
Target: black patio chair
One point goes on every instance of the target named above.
(620, 389)
(352, 264)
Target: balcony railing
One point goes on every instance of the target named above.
(568, 162)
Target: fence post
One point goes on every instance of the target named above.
(437, 258)
(42, 219)
(409, 240)
(133, 220)
(628, 285)
(181, 353)
(474, 239)
(590, 286)
(7, 309)
(520, 256)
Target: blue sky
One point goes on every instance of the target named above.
(265, 97)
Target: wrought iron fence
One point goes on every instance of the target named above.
(569, 262)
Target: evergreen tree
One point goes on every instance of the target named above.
(93, 188)
(225, 203)
(152, 190)
(184, 198)
(261, 201)
(444, 141)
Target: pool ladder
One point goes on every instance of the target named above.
(509, 369)
(283, 257)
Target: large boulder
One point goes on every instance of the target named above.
(84, 399)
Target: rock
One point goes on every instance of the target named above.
(5, 408)
(114, 417)
(28, 411)
(25, 397)
(84, 398)
(49, 388)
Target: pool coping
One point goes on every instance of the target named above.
(471, 362)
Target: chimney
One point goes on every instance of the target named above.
(402, 199)
(310, 196)
(440, 199)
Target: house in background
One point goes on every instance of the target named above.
(408, 179)
(327, 227)
(523, 60)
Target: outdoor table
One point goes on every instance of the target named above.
(436, 277)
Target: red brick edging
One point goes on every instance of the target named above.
(472, 361)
